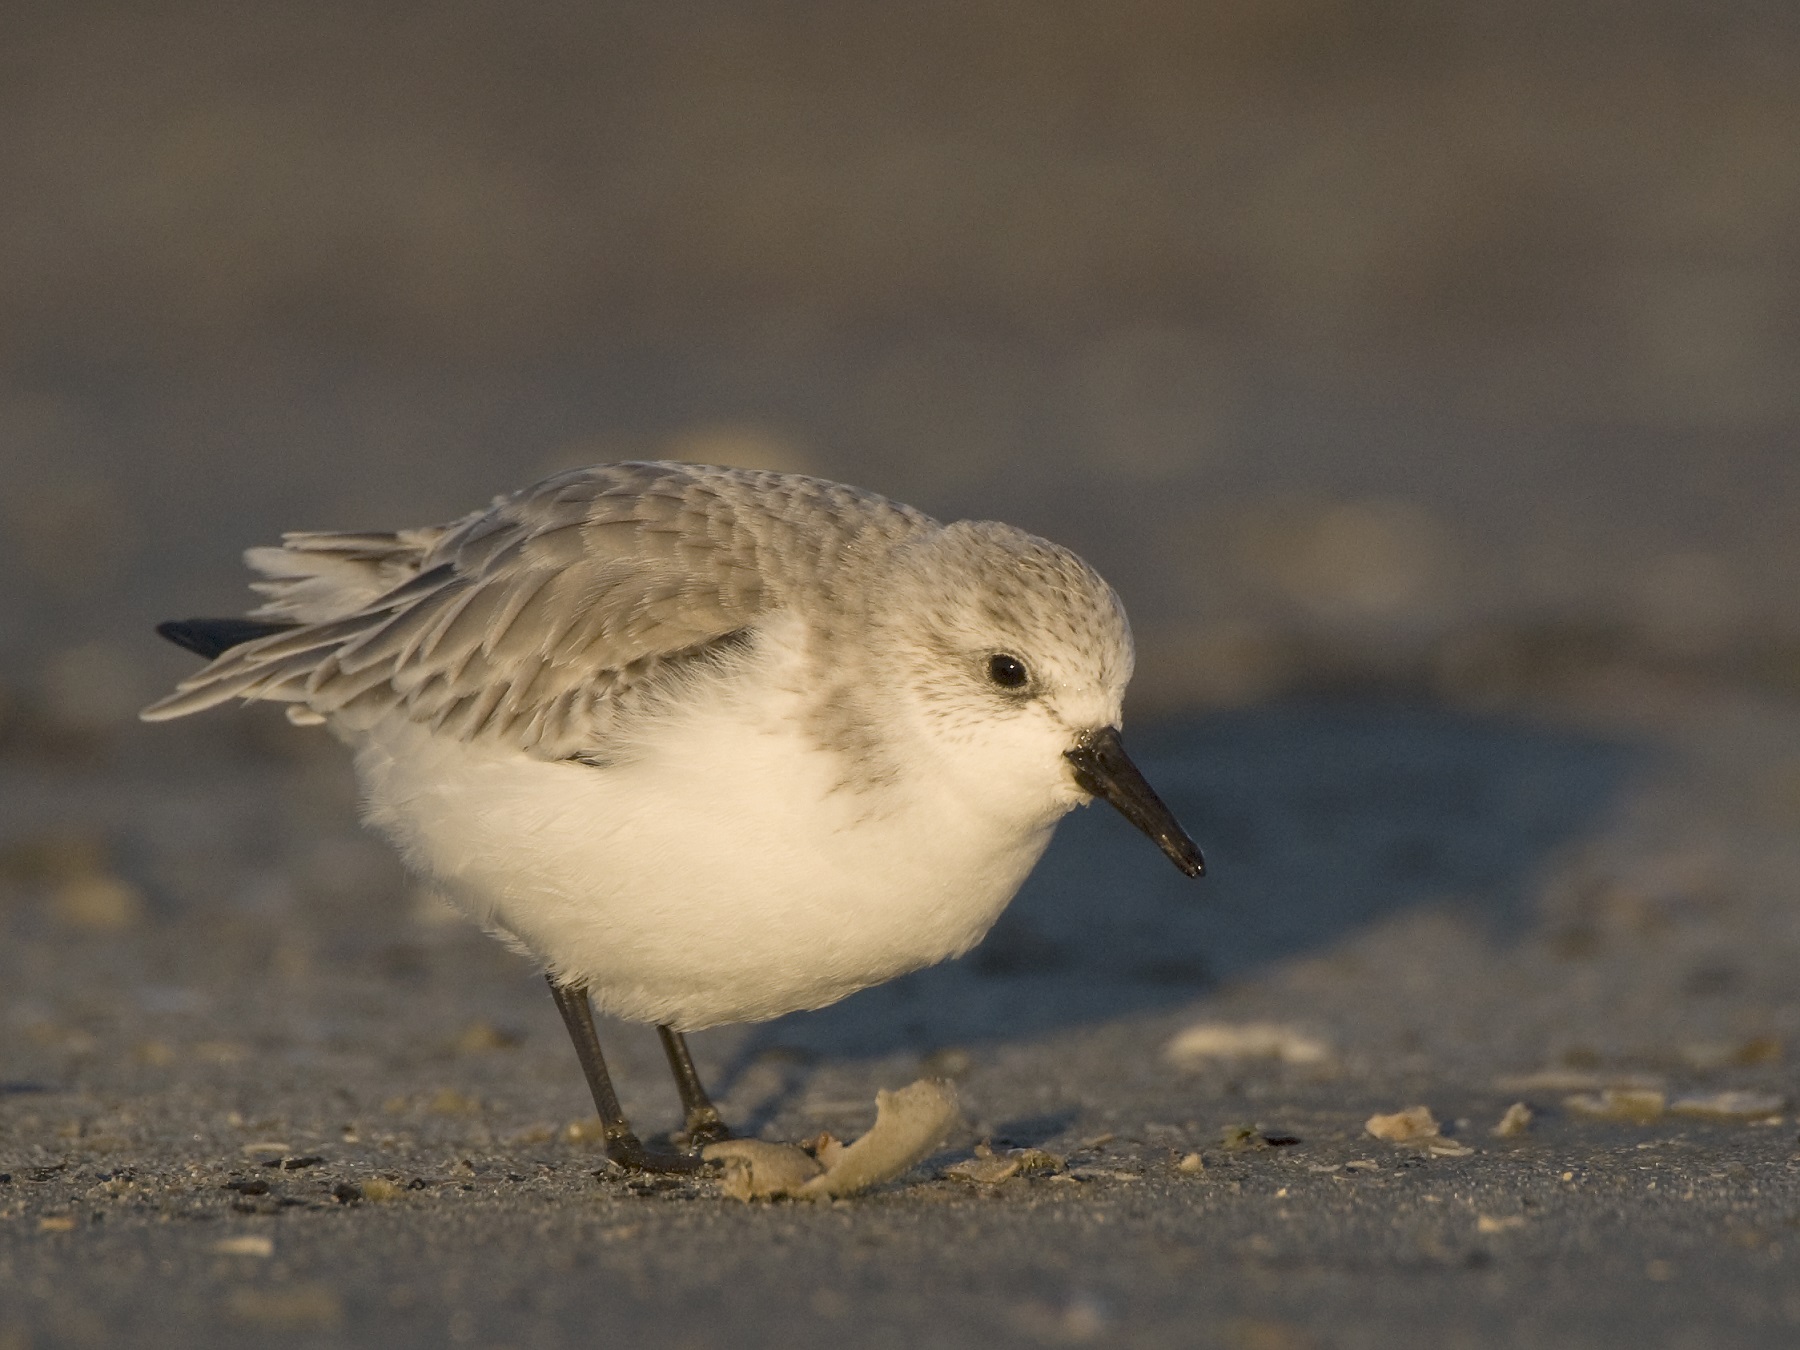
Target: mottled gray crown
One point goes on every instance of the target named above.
(993, 584)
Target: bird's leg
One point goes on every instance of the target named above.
(622, 1146)
(703, 1123)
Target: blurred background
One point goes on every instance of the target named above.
(1418, 344)
(1423, 373)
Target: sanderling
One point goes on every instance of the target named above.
(708, 744)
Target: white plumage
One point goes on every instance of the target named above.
(718, 744)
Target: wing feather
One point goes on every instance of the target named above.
(530, 621)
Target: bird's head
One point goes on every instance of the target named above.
(1010, 655)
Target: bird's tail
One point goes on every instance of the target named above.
(316, 577)
(211, 637)
(309, 579)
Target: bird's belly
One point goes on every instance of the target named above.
(713, 883)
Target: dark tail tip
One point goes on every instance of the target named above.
(211, 637)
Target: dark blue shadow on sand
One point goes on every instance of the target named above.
(1316, 820)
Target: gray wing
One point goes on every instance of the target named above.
(525, 621)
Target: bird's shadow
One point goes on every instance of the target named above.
(1316, 820)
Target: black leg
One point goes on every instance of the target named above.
(703, 1123)
(622, 1146)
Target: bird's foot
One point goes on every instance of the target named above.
(629, 1152)
(705, 1128)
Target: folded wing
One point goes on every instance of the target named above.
(523, 621)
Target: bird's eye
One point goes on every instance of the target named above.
(1007, 671)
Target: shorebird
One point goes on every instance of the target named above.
(709, 745)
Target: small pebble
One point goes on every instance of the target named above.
(1633, 1104)
(1207, 1041)
(1439, 1147)
(1729, 1105)
(1414, 1123)
(1515, 1122)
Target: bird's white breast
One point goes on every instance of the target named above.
(723, 872)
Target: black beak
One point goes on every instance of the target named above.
(1104, 769)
